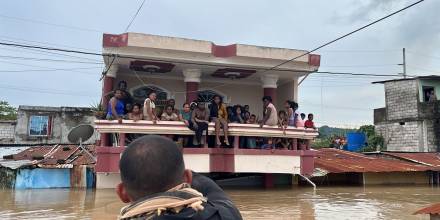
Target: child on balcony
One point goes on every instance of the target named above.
(237, 117)
(136, 113)
(169, 114)
(150, 108)
(309, 123)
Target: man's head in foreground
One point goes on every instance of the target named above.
(150, 164)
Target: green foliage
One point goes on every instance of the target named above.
(97, 107)
(373, 139)
(7, 112)
(327, 134)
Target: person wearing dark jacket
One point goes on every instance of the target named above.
(157, 186)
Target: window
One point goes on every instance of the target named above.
(206, 96)
(428, 91)
(39, 125)
(140, 94)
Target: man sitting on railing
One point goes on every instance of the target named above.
(157, 185)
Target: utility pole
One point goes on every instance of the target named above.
(404, 64)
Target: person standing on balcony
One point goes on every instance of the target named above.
(219, 115)
(126, 96)
(270, 116)
(116, 107)
(291, 108)
(199, 121)
(150, 107)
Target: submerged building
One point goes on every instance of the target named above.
(187, 70)
(410, 121)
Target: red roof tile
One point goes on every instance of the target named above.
(339, 161)
(430, 159)
(433, 209)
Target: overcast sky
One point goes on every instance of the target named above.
(335, 100)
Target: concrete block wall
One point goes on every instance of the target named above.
(7, 130)
(401, 137)
(401, 99)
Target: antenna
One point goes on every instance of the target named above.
(79, 134)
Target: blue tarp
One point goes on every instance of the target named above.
(42, 178)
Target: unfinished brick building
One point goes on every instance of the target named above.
(410, 121)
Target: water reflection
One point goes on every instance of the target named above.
(288, 203)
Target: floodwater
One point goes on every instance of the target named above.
(384, 202)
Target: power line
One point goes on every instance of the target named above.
(360, 65)
(49, 23)
(346, 35)
(44, 90)
(50, 60)
(358, 74)
(135, 15)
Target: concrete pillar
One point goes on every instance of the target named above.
(192, 80)
(107, 88)
(269, 84)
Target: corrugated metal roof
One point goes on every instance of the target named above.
(57, 156)
(339, 161)
(14, 164)
(433, 209)
(430, 159)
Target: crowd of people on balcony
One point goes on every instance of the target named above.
(196, 116)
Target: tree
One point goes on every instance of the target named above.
(373, 139)
(7, 112)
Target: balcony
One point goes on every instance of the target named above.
(206, 159)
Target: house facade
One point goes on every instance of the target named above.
(45, 125)
(189, 70)
(410, 122)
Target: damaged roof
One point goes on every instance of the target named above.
(339, 161)
(57, 156)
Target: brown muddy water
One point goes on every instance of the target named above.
(389, 202)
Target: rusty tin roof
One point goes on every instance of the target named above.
(339, 161)
(430, 159)
(432, 209)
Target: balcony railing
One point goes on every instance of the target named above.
(179, 128)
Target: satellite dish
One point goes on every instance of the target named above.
(79, 134)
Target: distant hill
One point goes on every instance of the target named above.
(326, 131)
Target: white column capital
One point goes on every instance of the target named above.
(112, 70)
(192, 75)
(269, 81)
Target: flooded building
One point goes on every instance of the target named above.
(194, 70)
(57, 166)
(433, 211)
(44, 125)
(333, 166)
(410, 121)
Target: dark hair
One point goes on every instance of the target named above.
(138, 105)
(151, 164)
(268, 98)
(169, 106)
(292, 104)
(151, 92)
(253, 115)
(236, 107)
(302, 114)
(282, 112)
(186, 103)
(310, 114)
(215, 96)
